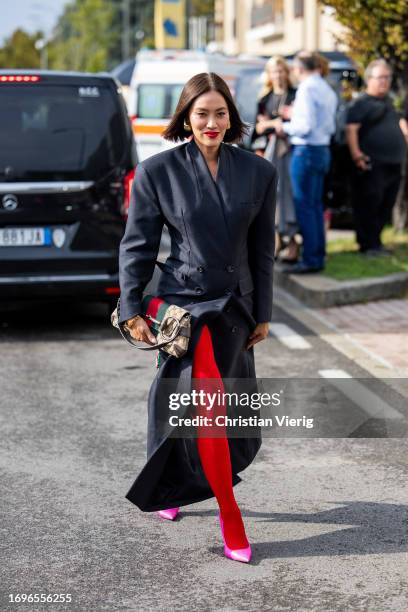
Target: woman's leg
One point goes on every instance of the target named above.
(214, 452)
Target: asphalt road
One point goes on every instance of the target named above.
(327, 517)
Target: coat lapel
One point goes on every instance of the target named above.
(216, 194)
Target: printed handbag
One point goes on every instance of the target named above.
(171, 326)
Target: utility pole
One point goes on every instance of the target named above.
(125, 29)
(41, 46)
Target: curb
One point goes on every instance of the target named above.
(318, 291)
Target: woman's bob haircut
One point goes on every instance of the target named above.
(195, 87)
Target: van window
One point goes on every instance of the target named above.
(152, 101)
(157, 101)
(59, 131)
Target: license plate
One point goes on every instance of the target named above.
(25, 236)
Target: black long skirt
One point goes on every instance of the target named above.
(173, 475)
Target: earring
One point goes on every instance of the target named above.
(187, 127)
(228, 126)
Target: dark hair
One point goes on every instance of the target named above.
(322, 64)
(195, 87)
(307, 60)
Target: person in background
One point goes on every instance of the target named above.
(400, 216)
(275, 100)
(404, 120)
(310, 129)
(323, 68)
(400, 212)
(377, 147)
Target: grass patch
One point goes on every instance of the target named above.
(344, 262)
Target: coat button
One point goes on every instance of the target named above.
(230, 269)
(200, 269)
(198, 290)
(234, 329)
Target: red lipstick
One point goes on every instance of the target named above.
(211, 134)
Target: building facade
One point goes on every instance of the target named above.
(268, 27)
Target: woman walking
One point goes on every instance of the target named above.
(275, 101)
(218, 203)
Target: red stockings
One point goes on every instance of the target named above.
(214, 452)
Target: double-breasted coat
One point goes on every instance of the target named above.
(220, 268)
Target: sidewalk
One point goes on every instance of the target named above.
(381, 328)
(324, 291)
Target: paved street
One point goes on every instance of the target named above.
(124, 122)
(327, 517)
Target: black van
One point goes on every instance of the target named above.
(67, 160)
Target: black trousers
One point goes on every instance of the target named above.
(373, 197)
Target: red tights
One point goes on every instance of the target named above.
(214, 452)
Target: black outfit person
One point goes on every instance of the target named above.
(220, 268)
(270, 105)
(375, 190)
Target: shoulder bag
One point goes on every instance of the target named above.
(172, 327)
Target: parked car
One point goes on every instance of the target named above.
(337, 185)
(67, 160)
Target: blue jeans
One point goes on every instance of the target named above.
(309, 165)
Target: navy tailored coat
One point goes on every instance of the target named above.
(220, 268)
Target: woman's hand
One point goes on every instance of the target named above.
(262, 117)
(261, 126)
(286, 112)
(261, 123)
(260, 332)
(278, 126)
(139, 330)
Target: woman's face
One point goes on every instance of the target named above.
(278, 76)
(209, 119)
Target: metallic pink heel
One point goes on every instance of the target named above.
(240, 554)
(169, 514)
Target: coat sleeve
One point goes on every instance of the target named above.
(140, 244)
(261, 253)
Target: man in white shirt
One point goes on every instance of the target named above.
(310, 129)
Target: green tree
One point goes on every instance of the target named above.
(19, 51)
(84, 36)
(144, 21)
(375, 28)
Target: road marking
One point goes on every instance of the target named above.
(334, 374)
(288, 336)
(360, 395)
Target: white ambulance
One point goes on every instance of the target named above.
(156, 84)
